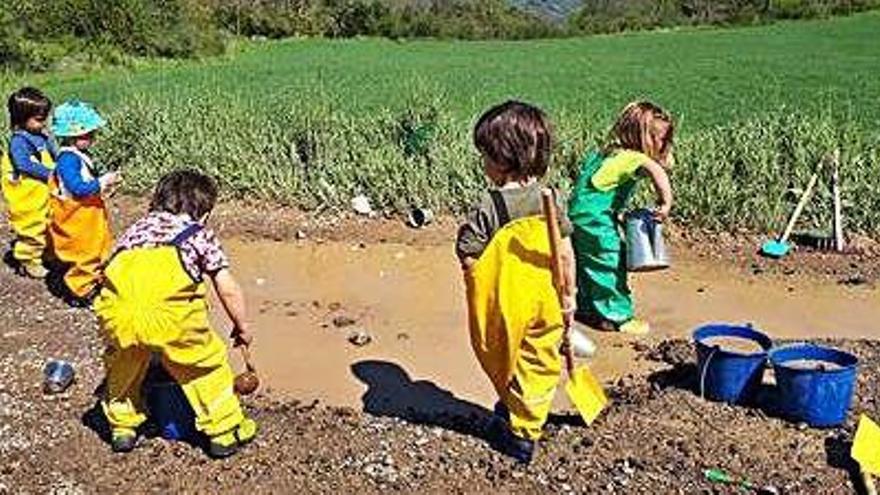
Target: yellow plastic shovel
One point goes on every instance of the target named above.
(866, 451)
(583, 389)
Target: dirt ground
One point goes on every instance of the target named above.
(406, 412)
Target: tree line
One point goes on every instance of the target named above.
(40, 34)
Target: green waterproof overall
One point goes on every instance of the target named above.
(603, 189)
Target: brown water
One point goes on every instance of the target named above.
(411, 302)
(734, 344)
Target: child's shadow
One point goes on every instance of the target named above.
(95, 420)
(392, 393)
(837, 454)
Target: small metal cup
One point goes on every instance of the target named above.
(58, 375)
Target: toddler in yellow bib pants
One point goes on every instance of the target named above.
(154, 301)
(515, 319)
(25, 167)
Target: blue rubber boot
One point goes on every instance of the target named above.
(507, 443)
(504, 441)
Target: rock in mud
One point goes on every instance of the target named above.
(360, 338)
(343, 321)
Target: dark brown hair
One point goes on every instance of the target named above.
(517, 137)
(185, 191)
(25, 103)
(637, 124)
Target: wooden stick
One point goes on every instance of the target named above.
(868, 482)
(838, 210)
(548, 201)
(246, 356)
(549, 205)
(800, 206)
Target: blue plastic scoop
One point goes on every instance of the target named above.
(775, 249)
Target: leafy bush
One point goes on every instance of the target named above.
(44, 31)
(618, 15)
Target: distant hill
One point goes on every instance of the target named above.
(555, 10)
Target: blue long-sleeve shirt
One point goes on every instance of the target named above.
(25, 149)
(70, 168)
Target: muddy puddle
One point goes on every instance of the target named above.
(307, 300)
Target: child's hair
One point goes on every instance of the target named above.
(26, 103)
(517, 137)
(185, 191)
(637, 123)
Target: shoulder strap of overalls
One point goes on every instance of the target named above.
(186, 234)
(500, 208)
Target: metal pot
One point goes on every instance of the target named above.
(645, 248)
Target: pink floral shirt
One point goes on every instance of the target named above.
(201, 253)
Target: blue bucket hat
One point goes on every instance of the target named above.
(75, 118)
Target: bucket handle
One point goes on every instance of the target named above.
(705, 371)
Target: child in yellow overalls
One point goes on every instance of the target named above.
(154, 300)
(515, 318)
(80, 226)
(640, 146)
(26, 167)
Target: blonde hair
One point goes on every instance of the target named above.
(639, 127)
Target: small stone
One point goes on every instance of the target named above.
(342, 321)
(360, 338)
(299, 235)
(260, 281)
(361, 205)
(334, 306)
(854, 280)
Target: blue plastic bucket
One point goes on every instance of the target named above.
(168, 406)
(727, 375)
(818, 397)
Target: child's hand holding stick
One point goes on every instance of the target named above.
(248, 382)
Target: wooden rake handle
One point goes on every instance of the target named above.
(805, 197)
(548, 202)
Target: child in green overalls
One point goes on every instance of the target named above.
(640, 145)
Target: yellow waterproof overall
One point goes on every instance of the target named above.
(27, 200)
(516, 322)
(80, 233)
(149, 303)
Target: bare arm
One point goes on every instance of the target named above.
(232, 298)
(662, 187)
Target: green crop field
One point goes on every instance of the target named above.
(313, 122)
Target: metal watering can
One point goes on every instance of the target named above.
(645, 248)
